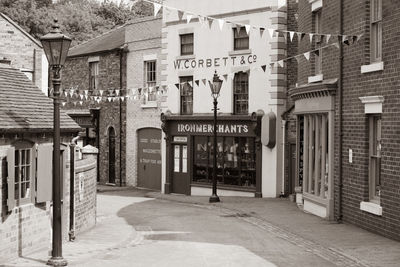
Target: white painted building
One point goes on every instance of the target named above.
(250, 97)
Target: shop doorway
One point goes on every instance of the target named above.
(292, 168)
(149, 158)
(111, 155)
(180, 177)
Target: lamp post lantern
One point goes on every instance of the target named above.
(56, 45)
(215, 89)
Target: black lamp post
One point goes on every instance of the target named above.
(56, 45)
(215, 89)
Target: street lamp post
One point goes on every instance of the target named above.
(56, 45)
(215, 89)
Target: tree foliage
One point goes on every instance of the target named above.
(79, 19)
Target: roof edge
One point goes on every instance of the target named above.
(22, 30)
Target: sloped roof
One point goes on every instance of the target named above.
(23, 107)
(21, 30)
(109, 41)
(138, 29)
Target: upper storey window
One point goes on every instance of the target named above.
(376, 30)
(240, 39)
(187, 41)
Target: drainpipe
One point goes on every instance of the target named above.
(340, 111)
(120, 115)
(71, 232)
(283, 157)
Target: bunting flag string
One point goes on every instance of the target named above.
(221, 22)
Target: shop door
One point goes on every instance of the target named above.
(111, 155)
(149, 163)
(180, 177)
(292, 168)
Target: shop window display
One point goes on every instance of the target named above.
(236, 157)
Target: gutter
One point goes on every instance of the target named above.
(340, 113)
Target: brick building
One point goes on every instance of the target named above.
(348, 110)
(112, 68)
(26, 126)
(24, 52)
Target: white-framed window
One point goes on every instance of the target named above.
(376, 31)
(187, 44)
(93, 75)
(150, 79)
(375, 137)
(241, 93)
(186, 92)
(317, 16)
(240, 39)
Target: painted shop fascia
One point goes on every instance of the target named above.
(189, 154)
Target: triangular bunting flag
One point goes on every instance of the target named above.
(157, 8)
(280, 63)
(262, 32)
(80, 103)
(197, 82)
(177, 85)
(291, 35)
(264, 67)
(63, 104)
(188, 17)
(225, 77)
(238, 28)
(81, 96)
(316, 52)
(221, 24)
(190, 83)
(201, 20)
(122, 98)
(271, 32)
(180, 14)
(86, 92)
(247, 29)
(328, 36)
(281, 3)
(204, 81)
(210, 22)
(307, 55)
(65, 93)
(346, 40)
(311, 36)
(117, 92)
(297, 58)
(101, 92)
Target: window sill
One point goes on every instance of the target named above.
(185, 57)
(240, 52)
(371, 208)
(316, 78)
(377, 66)
(150, 104)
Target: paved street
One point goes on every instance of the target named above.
(142, 228)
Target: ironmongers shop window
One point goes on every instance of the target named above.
(240, 39)
(315, 161)
(241, 93)
(186, 44)
(375, 129)
(150, 79)
(93, 76)
(236, 161)
(376, 30)
(186, 90)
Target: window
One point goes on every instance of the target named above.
(240, 39)
(375, 126)
(187, 44)
(315, 154)
(93, 76)
(236, 161)
(318, 42)
(150, 79)
(23, 175)
(376, 30)
(241, 93)
(186, 95)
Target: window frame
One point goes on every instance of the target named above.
(376, 31)
(236, 94)
(237, 37)
(184, 44)
(93, 75)
(151, 96)
(186, 95)
(374, 156)
(317, 24)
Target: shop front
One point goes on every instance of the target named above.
(189, 154)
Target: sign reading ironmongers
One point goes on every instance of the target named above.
(209, 128)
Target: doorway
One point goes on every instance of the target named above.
(180, 177)
(111, 155)
(149, 158)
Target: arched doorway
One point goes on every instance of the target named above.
(111, 155)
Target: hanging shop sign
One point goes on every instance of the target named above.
(215, 62)
(207, 128)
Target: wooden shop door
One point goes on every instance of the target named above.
(149, 158)
(180, 177)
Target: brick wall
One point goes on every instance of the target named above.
(23, 52)
(76, 75)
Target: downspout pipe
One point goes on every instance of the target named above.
(71, 232)
(340, 114)
(121, 58)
